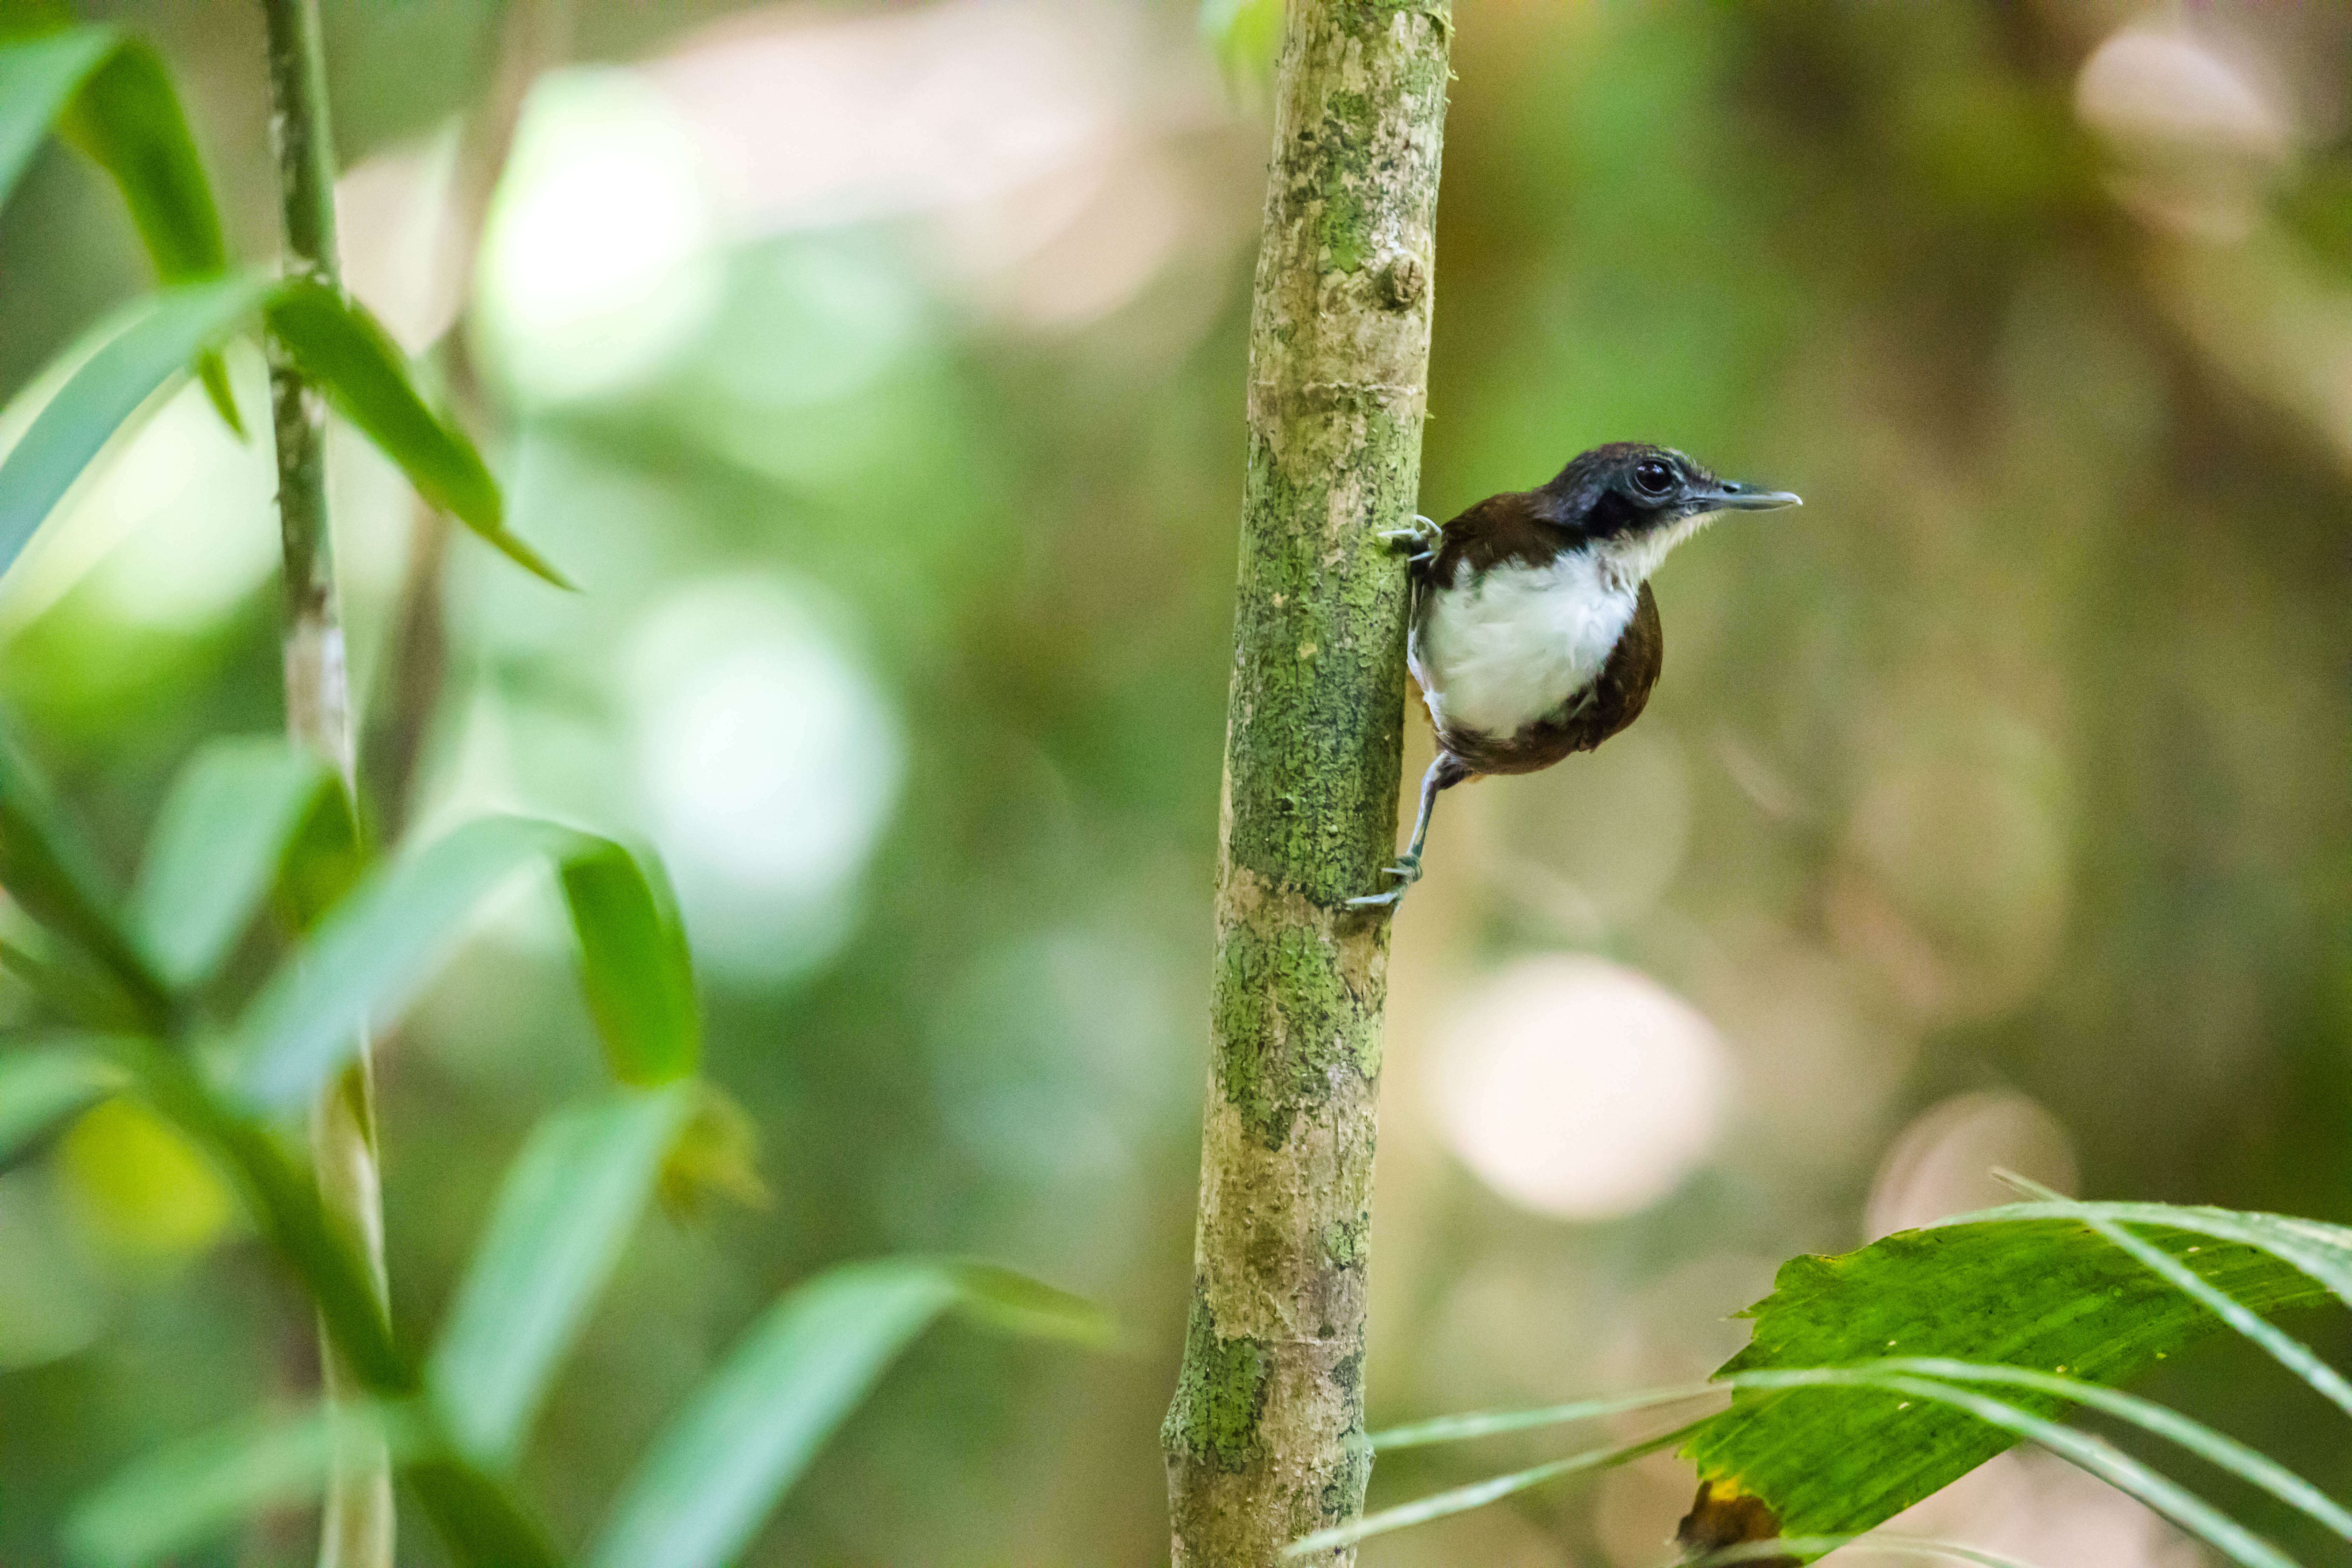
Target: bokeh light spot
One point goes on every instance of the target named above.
(599, 262)
(1580, 1089)
(771, 762)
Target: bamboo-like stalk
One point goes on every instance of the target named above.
(357, 1528)
(1265, 1439)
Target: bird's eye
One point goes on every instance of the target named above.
(1653, 477)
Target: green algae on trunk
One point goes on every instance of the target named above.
(1264, 1440)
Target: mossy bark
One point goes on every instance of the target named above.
(357, 1527)
(1265, 1439)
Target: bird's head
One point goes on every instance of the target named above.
(1632, 503)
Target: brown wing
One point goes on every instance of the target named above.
(1614, 699)
(1498, 529)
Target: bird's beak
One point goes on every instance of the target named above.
(1730, 496)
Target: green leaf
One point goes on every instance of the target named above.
(104, 391)
(192, 1491)
(566, 1210)
(2029, 1287)
(244, 816)
(1811, 1546)
(1923, 1385)
(482, 1522)
(40, 1084)
(2282, 1347)
(52, 875)
(111, 98)
(353, 359)
(1477, 1495)
(755, 1424)
(373, 951)
(38, 77)
(633, 961)
(127, 120)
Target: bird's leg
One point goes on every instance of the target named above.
(1420, 542)
(1445, 770)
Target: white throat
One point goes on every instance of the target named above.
(1498, 652)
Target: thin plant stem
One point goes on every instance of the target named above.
(1264, 1438)
(357, 1527)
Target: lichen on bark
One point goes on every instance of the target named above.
(1264, 1440)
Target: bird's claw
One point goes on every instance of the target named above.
(1422, 539)
(1407, 871)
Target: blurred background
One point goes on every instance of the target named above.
(878, 369)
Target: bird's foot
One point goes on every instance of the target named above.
(1407, 871)
(1420, 542)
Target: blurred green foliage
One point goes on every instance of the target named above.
(2015, 761)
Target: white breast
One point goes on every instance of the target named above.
(1499, 653)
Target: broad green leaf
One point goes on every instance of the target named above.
(751, 1430)
(1811, 1546)
(364, 374)
(47, 869)
(2282, 1347)
(102, 394)
(2025, 1286)
(243, 816)
(41, 1083)
(1923, 1385)
(181, 1497)
(371, 952)
(38, 77)
(567, 1205)
(2249, 1465)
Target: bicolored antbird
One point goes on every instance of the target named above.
(1534, 631)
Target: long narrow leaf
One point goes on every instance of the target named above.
(371, 952)
(2255, 1468)
(187, 1494)
(752, 1428)
(48, 870)
(2111, 1465)
(349, 355)
(40, 1084)
(102, 394)
(129, 122)
(110, 96)
(634, 960)
(1933, 1379)
(2248, 1465)
(223, 840)
(1477, 1495)
(479, 1518)
(1489, 1424)
(38, 77)
(566, 1210)
(369, 956)
(2282, 1347)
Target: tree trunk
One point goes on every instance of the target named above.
(1265, 1439)
(357, 1528)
